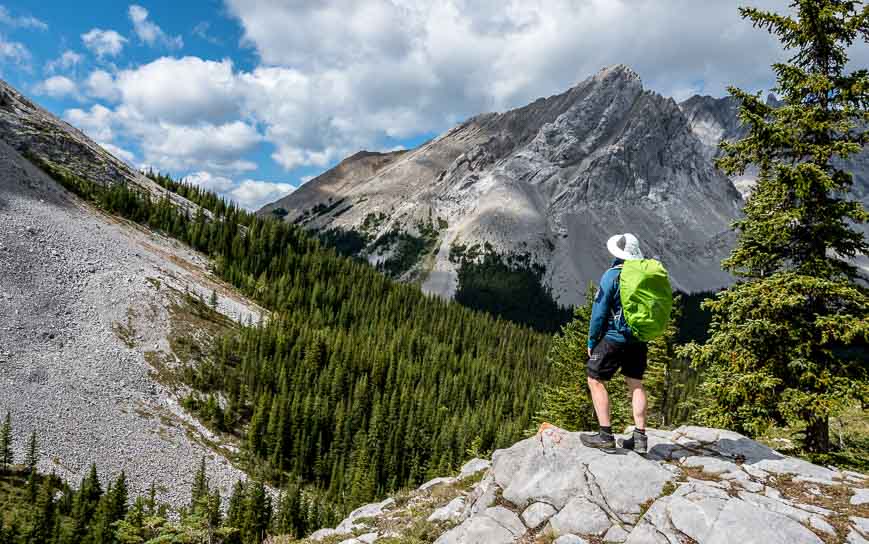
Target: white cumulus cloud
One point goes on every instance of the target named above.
(252, 194)
(103, 43)
(96, 122)
(148, 31)
(21, 21)
(13, 52)
(57, 87)
(101, 84)
(208, 181)
(249, 194)
(67, 60)
(181, 90)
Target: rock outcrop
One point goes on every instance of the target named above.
(696, 485)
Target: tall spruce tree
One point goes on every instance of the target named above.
(32, 457)
(778, 351)
(6, 442)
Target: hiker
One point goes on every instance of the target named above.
(611, 347)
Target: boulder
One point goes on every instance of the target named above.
(569, 539)
(451, 512)
(536, 514)
(495, 525)
(474, 466)
(368, 511)
(580, 516)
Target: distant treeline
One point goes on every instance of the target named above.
(43, 509)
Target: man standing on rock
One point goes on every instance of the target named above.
(611, 347)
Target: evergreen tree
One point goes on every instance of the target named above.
(235, 510)
(6, 442)
(778, 352)
(44, 526)
(257, 514)
(85, 504)
(111, 509)
(32, 458)
(669, 381)
(199, 492)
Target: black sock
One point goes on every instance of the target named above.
(606, 430)
(640, 431)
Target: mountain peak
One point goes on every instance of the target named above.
(618, 71)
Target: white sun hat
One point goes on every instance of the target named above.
(625, 246)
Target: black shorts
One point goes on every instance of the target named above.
(607, 357)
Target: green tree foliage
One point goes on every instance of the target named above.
(779, 350)
(199, 491)
(6, 442)
(60, 515)
(32, 457)
(356, 385)
(511, 287)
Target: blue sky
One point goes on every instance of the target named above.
(253, 97)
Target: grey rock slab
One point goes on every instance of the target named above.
(694, 508)
(366, 511)
(616, 534)
(861, 524)
(860, 496)
(555, 466)
(726, 443)
(536, 514)
(473, 467)
(507, 518)
(452, 511)
(855, 538)
(482, 496)
(749, 485)
(322, 534)
(710, 465)
(655, 527)
(626, 482)
(549, 467)
(436, 482)
(477, 530)
(569, 539)
(742, 522)
(580, 516)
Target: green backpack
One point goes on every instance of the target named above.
(646, 298)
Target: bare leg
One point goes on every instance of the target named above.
(638, 401)
(601, 401)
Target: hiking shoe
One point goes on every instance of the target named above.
(598, 440)
(639, 443)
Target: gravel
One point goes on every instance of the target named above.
(68, 274)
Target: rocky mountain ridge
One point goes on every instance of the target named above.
(696, 485)
(551, 180)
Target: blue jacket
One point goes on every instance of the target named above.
(607, 319)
